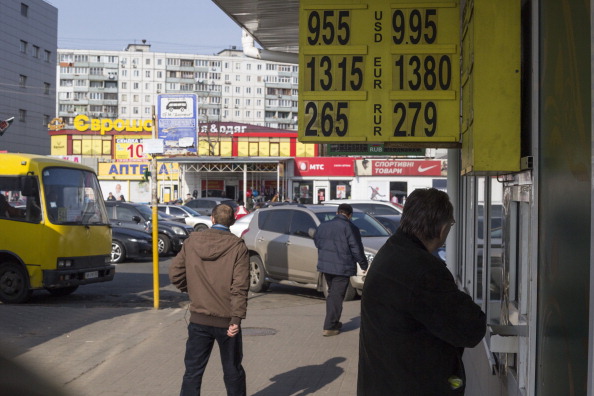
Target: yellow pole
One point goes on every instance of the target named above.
(155, 220)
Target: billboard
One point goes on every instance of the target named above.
(177, 122)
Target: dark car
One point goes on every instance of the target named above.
(391, 222)
(128, 244)
(204, 206)
(138, 217)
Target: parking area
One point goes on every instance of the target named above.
(111, 349)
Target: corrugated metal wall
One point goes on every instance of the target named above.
(564, 198)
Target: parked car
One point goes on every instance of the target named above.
(201, 223)
(128, 244)
(370, 206)
(138, 216)
(204, 206)
(188, 215)
(281, 246)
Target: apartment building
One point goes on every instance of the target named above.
(28, 43)
(123, 85)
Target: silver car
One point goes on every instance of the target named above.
(280, 241)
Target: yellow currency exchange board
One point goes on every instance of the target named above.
(379, 71)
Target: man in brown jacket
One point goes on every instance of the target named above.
(213, 268)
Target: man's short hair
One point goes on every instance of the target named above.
(223, 215)
(345, 209)
(425, 212)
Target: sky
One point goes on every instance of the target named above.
(178, 26)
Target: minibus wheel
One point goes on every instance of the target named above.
(14, 283)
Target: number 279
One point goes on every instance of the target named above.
(331, 118)
(408, 120)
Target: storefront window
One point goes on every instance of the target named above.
(340, 189)
(302, 192)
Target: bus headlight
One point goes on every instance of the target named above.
(64, 263)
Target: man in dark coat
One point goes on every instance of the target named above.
(339, 250)
(415, 322)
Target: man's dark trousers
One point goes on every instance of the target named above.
(198, 348)
(337, 287)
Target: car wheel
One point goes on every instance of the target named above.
(200, 227)
(350, 294)
(118, 252)
(62, 291)
(164, 245)
(258, 282)
(14, 283)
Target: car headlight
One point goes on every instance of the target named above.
(138, 240)
(179, 230)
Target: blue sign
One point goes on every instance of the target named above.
(177, 122)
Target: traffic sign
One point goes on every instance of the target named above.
(381, 71)
(177, 122)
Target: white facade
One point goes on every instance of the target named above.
(123, 84)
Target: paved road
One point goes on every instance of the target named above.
(107, 339)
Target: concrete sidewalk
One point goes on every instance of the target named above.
(139, 351)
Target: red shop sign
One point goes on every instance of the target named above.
(324, 166)
(398, 167)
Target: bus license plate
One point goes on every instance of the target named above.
(91, 275)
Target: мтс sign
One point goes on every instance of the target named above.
(383, 71)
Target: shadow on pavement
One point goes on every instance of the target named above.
(306, 380)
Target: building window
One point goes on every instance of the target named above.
(135, 98)
(123, 110)
(22, 81)
(148, 73)
(47, 55)
(23, 47)
(147, 110)
(135, 110)
(136, 85)
(46, 119)
(147, 61)
(22, 115)
(24, 10)
(124, 98)
(147, 98)
(35, 51)
(159, 74)
(46, 88)
(124, 85)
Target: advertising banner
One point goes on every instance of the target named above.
(324, 166)
(177, 122)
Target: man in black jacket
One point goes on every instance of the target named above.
(339, 250)
(415, 322)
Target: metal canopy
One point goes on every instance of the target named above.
(273, 24)
(228, 165)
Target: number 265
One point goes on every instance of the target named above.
(331, 118)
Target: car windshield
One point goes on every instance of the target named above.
(231, 203)
(191, 211)
(368, 226)
(147, 212)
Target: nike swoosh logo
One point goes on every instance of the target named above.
(422, 169)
